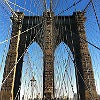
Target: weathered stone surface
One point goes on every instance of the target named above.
(53, 30)
(11, 60)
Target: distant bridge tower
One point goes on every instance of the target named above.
(55, 29)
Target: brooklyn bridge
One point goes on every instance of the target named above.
(49, 50)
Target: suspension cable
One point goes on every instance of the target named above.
(21, 33)
(21, 7)
(20, 58)
(69, 7)
(95, 13)
(12, 11)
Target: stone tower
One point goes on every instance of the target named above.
(54, 30)
(11, 59)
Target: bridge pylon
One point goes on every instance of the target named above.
(70, 30)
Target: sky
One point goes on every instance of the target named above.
(34, 57)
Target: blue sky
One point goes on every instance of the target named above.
(92, 32)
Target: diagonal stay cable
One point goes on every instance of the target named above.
(94, 10)
(20, 7)
(5, 50)
(76, 65)
(20, 58)
(2, 5)
(70, 7)
(17, 92)
(21, 80)
(21, 33)
(87, 6)
(87, 41)
(12, 11)
(95, 13)
(65, 71)
(81, 76)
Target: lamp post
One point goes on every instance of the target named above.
(32, 85)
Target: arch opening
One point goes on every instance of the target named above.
(32, 73)
(64, 72)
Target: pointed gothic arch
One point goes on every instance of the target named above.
(32, 69)
(69, 29)
(63, 66)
